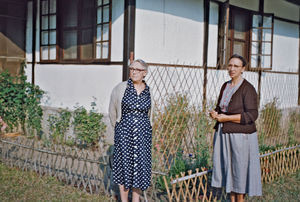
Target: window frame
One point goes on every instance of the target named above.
(48, 30)
(223, 52)
(260, 42)
(230, 36)
(60, 34)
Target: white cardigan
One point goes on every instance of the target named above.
(115, 109)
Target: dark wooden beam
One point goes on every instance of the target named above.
(34, 16)
(261, 11)
(205, 49)
(129, 35)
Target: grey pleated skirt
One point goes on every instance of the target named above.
(236, 163)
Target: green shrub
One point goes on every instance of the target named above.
(172, 122)
(88, 126)
(58, 125)
(270, 120)
(20, 103)
(294, 119)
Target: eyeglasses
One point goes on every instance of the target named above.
(231, 65)
(136, 70)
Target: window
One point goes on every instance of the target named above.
(250, 35)
(83, 31)
(238, 35)
(261, 41)
(48, 30)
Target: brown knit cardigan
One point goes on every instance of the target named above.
(244, 102)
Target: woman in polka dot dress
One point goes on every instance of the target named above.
(130, 112)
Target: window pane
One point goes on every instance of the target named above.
(255, 34)
(45, 53)
(240, 25)
(268, 21)
(44, 7)
(98, 50)
(99, 33)
(52, 21)
(52, 52)
(52, 37)
(254, 60)
(106, 14)
(105, 1)
(267, 34)
(266, 48)
(70, 44)
(238, 48)
(99, 2)
(254, 47)
(105, 31)
(87, 44)
(45, 38)
(45, 22)
(70, 13)
(266, 61)
(87, 13)
(99, 15)
(255, 21)
(52, 6)
(105, 50)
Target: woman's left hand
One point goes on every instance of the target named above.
(222, 118)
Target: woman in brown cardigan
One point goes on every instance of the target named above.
(236, 158)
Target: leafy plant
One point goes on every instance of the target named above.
(294, 119)
(172, 122)
(58, 125)
(271, 116)
(20, 103)
(88, 126)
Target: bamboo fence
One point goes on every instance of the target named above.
(196, 186)
(84, 169)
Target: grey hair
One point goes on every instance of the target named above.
(142, 62)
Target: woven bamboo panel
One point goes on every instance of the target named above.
(195, 186)
(84, 169)
(279, 163)
(181, 112)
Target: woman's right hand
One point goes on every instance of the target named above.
(213, 114)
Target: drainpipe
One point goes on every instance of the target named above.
(34, 10)
(129, 32)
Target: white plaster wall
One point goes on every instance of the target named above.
(284, 87)
(67, 85)
(251, 5)
(213, 34)
(117, 30)
(285, 46)
(282, 9)
(169, 31)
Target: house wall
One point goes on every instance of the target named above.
(169, 31)
(285, 46)
(213, 34)
(69, 85)
(286, 35)
(250, 5)
(282, 8)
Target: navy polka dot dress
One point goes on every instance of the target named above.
(133, 140)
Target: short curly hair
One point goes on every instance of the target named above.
(239, 57)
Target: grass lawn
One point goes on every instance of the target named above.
(286, 189)
(16, 185)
